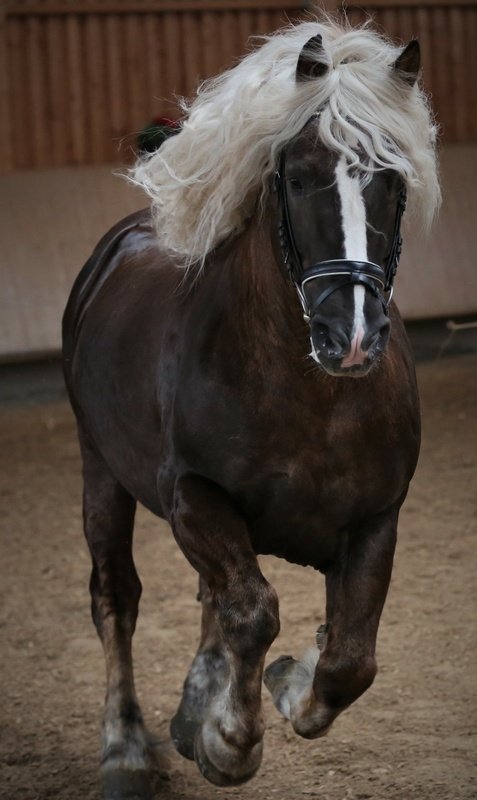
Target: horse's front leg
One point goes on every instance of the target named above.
(207, 676)
(241, 621)
(311, 694)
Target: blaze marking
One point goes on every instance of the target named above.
(353, 220)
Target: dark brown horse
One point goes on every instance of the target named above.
(195, 395)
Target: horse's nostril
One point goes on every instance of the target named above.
(376, 337)
(373, 340)
(333, 341)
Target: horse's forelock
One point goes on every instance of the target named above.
(204, 182)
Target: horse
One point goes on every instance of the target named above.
(236, 365)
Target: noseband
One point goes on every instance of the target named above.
(377, 279)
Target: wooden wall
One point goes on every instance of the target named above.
(82, 78)
(79, 78)
(447, 33)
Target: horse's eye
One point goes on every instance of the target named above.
(296, 186)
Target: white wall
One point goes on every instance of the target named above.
(438, 274)
(50, 221)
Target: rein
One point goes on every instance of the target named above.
(374, 277)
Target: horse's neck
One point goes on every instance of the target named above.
(263, 320)
(262, 297)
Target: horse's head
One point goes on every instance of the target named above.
(340, 237)
(335, 111)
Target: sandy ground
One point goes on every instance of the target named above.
(410, 737)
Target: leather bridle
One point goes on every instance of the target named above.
(377, 279)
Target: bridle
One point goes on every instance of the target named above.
(377, 279)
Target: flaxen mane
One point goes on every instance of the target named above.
(205, 181)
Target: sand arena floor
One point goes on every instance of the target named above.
(411, 737)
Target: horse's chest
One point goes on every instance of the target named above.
(330, 484)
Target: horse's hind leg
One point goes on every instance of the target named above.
(115, 590)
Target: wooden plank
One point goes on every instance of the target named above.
(173, 68)
(192, 52)
(36, 90)
(264, 24)
(115, 80)
(167, 101)
(427, 51)
(160, 104)
(88, 104)
(151, 63)
(227, 37)
(95, 106)
(442, 86)
(405, 24)
(470, 28)
(18, 87)
(145, 98)
(407, 3)
(133, 65)
(246, 30)
(458, 70)
(76, 88)
(357, 15)
(210, 33)
(152, 7)
(6, 150)
(389, 21)
(59, 123)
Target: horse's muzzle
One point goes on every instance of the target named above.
(342, 353)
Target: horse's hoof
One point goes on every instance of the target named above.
(288, 680)
(206, 676)
(277, 670)
(183, 731)
(213, 774)
(124, 784)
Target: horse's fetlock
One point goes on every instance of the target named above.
(130, 712)
(341, 683)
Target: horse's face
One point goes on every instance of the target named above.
(333, 217)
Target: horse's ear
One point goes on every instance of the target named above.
(408, 62)
(308, 66)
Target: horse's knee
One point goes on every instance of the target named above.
(340, 683)
(115, 593)
(250, 622)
